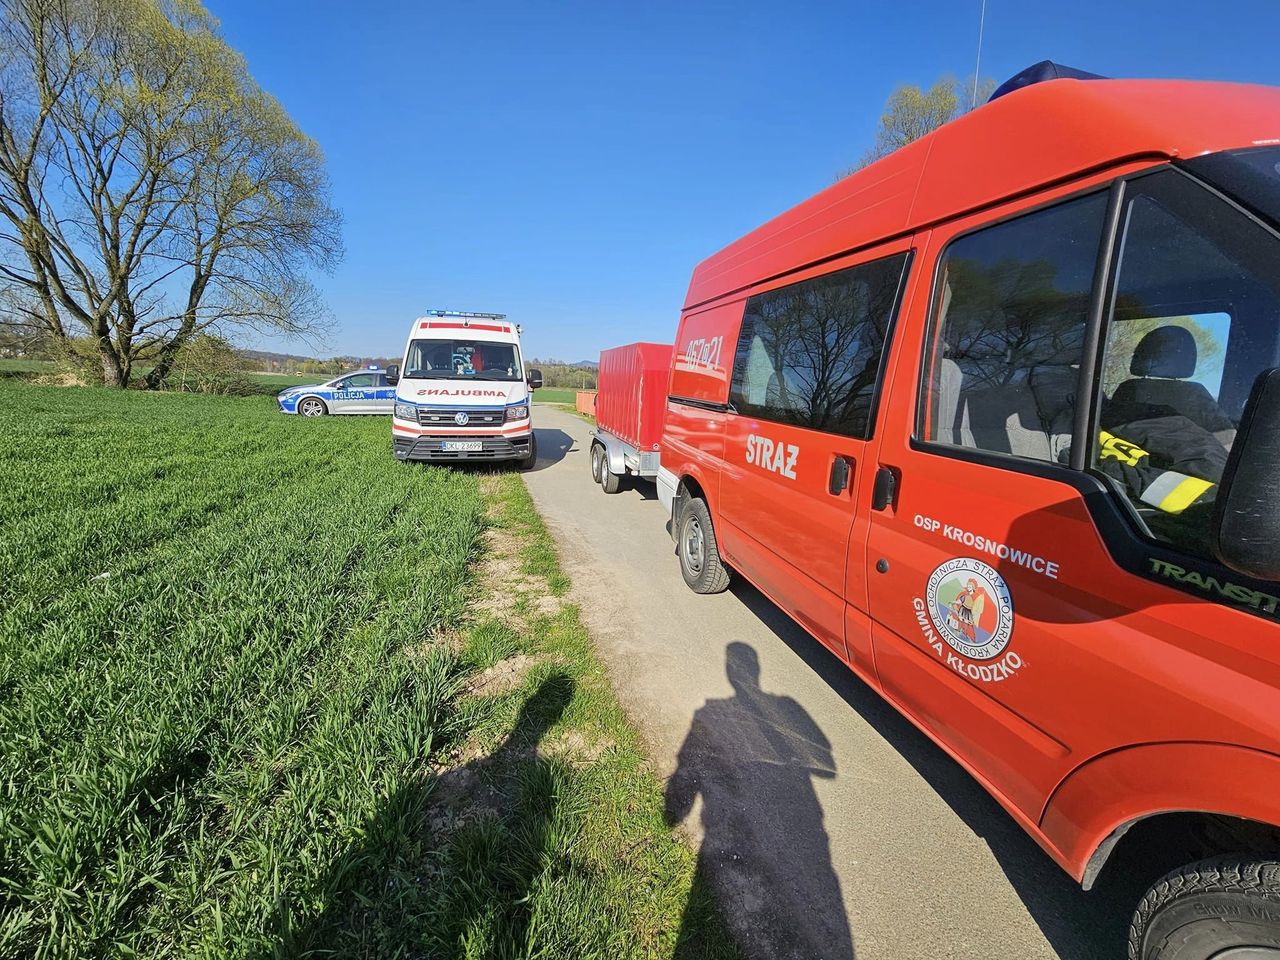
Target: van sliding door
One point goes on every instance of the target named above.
(806, 378)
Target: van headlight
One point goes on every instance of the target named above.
(406, 411)
(520, 412)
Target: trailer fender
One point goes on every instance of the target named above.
(1101, 799)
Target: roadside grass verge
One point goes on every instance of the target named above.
(572, 408)
(265, 691)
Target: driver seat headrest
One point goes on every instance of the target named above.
(1165, 352)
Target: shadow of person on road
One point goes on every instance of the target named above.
(1079, 925)
(752, 758)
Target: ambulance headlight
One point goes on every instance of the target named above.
(520, 412)
(406, 411)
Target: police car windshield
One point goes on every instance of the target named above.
(462, 360)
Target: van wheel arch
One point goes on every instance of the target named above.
(1107, 804)
(1156, 843)
(688, 489)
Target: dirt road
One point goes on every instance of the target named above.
(828, 826)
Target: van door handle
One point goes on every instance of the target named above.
(885, 491)
(838, 479)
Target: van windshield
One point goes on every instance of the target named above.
(1250, 175)
(462, 360)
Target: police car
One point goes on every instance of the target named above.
(361, 391)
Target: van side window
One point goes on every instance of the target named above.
(1191, 324)
(1010, 312)
(809, 354)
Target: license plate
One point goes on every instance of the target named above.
(462, 446)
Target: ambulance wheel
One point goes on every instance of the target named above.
(1224, 909)
(526, 462)
(312, 407)
(699, 555)
(597, 461)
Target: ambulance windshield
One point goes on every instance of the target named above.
(462, 360)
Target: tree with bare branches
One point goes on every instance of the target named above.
(149, 189)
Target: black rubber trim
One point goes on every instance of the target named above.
(1089, 382)
(700, 404)
(895, 320)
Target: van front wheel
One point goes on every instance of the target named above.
(528, 460)
(699, 554)
(1226, 909)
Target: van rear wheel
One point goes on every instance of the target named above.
(699, 554)
(1222, 909)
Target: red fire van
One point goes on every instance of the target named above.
(997, 420)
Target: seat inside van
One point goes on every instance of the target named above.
(1028, 418)
(1163, 362)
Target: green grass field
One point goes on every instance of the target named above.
(275, 382)
(19, 367)
(555, 395)
(248, 703)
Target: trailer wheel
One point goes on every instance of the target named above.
(609, 482)
(1226, 908)
(699, 554)
(597, 461)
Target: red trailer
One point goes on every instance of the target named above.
(630, 406)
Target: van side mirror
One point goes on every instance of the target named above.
(535, 379)
(393, 374)
(1246, 515)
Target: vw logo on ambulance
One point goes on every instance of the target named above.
(461, 418)
(970, 605)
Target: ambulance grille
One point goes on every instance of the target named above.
(432, 448)
(445, 417)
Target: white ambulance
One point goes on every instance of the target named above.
(462, 392)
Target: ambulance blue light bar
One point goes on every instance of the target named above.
(464, 313)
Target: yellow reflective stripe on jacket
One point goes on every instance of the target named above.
(1173, 492)
(1119, 449)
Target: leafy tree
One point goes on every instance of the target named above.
(206, 364)
(149, 189)
(910, 113)
(558, 374)
(1125, 335)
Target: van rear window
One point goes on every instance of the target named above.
(809, 354)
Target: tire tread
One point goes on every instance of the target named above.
(1258, 878)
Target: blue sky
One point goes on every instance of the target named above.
(569, 163)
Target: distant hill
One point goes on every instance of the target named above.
(270, 361)
(580, 364)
